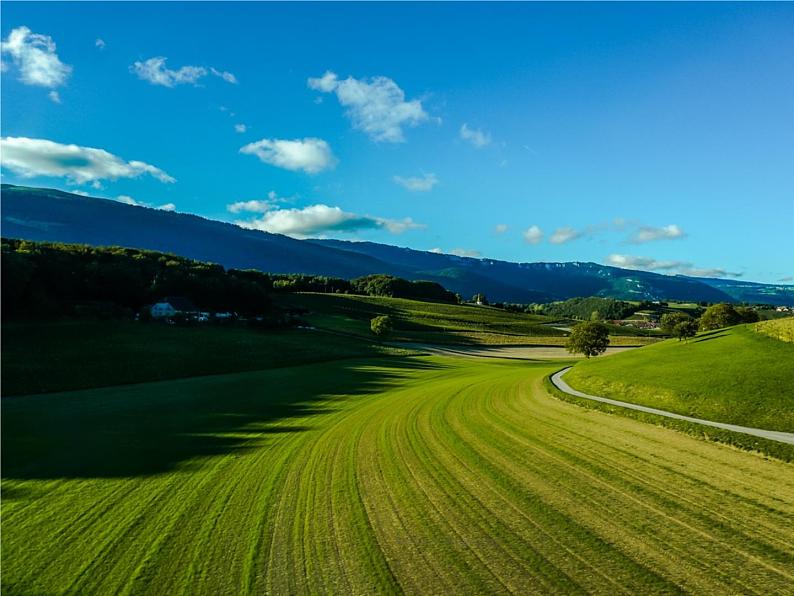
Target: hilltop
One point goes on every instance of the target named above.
(739, 375)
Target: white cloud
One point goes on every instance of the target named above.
(318, 220)
(100, 43)
(258, 205)
(678, 267)
(500, 228)
(253, 206)
(376, 106)
(241, 128)
(458, 252)
(650, 234)
(225, 75)
(533, 235)
(82, 193)
(34, 55)
(417, 184)
(40, 157)
(563, 235)
(54, 96)
(478, 138)
(311, 155)
(128, 200)
(155, 71)
(787, 279)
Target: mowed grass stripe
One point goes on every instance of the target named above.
(635, 466)
(418, 475)
(528, 485)
(598, 475)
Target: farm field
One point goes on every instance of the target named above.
(735, 375)
(84, 354)
(412, 474)
(437, 323)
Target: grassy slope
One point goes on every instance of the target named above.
(734, 375)
(432, 322)
(42, 357)
(782, 329)
(424, 475)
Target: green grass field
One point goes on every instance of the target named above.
(412, 474)
(782, 329)
(436, 323)
(42, 357)
(734, 375)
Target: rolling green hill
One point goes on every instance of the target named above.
(393, 475)
(735, 375)
(434, 322)
(414, 320)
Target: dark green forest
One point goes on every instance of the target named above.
(47, 279)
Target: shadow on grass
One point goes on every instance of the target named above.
(152, 428)
(709, 336)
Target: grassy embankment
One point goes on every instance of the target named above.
(734, 375)
(418, 474)
(436, 323)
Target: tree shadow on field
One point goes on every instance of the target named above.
(152, 428)
(709, 335)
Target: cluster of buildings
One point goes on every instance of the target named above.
(172, 306)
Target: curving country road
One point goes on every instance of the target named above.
(774, 435)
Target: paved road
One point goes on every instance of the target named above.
(774, 435)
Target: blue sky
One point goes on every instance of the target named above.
(656, 136)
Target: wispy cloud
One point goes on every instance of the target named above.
(417, 184)
(458, 252)
(476, 137)
(156, 72)
(650, 234)
(566, 234)
(241, 128)
(500, 228)
(533, 235)
(669, 266)
(320, 219)
(100, 43)
(257, 205)
(41, 157)
(310, 155)
(35, 57)
(376, 106)
(128, 200)
(786, 279)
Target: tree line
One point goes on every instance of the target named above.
(51, 279)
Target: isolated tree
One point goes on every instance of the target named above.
(719, 316)
(381, 325)
(595, 316)
(685, 329)
(747, 314)
(671, 319)
(589, 338)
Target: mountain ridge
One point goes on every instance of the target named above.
(58, 216)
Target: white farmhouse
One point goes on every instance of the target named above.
(170, 306)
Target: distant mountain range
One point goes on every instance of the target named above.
(57, 216)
